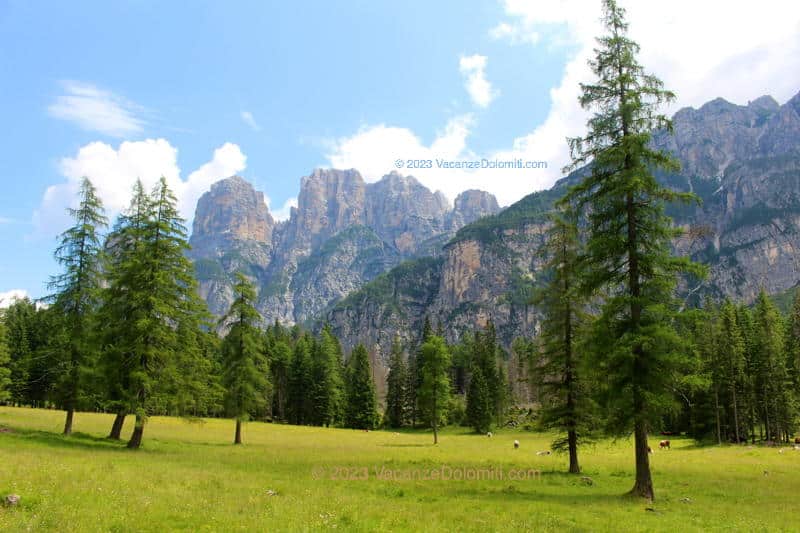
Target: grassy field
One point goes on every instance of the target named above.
(189, 477)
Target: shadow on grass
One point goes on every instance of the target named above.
(407, 445)
(78, 441)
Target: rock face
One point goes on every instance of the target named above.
(743, 162)
(343, 233)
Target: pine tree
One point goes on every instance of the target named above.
(244, 365)
(627, 252)
(279, 354)
(415, 370)
(396, 383)
(434, 393)
(5, 365)
(360, 391)
(564, 395)
(793, 344)
(77, 290)
(479, 403)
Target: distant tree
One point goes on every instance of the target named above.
(76, 292)
(360, 390)
(565, 394)
(5, 362)
(434, 394)
(731, 354)
(396, 387)
(244, 365)
(628, 237)
(298, 403)
(279, 354)
(479, 403)
(326, 380)
(416, 363)
(793, 344)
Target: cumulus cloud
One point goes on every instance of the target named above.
(249, 119)
(9, 297)
(473, 69)
(95, 109)
(283, 212)
(113, 171)
(699, 50)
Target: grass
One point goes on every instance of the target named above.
(188, 477)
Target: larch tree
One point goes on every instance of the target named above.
(434, 393)
(627, 255)
(564, 393)
(76, 292)
(243, 362)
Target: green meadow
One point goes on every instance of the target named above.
(189, 477)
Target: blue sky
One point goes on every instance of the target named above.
(270, 90)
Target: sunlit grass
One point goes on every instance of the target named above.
(190, 477)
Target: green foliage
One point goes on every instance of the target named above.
(360, 390)
(480, 410)
(5, 362)
(298, 406)
(434, 392)
(244, 366)
(627, 254)
(327, 385)
(397, 380)
(76, 293)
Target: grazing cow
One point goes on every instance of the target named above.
(797, 440)
(516, 444)
(649, 449)
(489, 434)
(546, 452)
(663, 444)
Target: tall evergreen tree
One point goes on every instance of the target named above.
(360, 408)
(564, 393)
(628, 246)
(479, 402)
(731, 352)
(243, 363)
(77, 291)
(396, 383)
(151, 291)
(298, 404)
(326, 380)
(434, 394)
(415, 370)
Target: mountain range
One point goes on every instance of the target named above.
(373, 259)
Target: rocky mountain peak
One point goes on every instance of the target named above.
(232, 210)
(473, 204)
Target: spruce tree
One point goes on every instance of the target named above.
(77, 291)
(299, 389)
(243, 363)
(479, 402)
(360, 391)
(326, 380)
(627, 253)
(564, 395)
(434, 393)
(396, 383)
(731, 351)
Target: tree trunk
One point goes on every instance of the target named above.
(116, 427)
(138, 430)
(237, 439)
(735, 414)
(68, 423)
(644, 481)
(572, 440)
(435, 421)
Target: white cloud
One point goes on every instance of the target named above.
(473, 68)
(699, 50)
(95, 109)
(114, 171)
(249, 119)
(9, 297)
(283, 212)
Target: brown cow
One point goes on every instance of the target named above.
(663, 444)
(797, 440)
